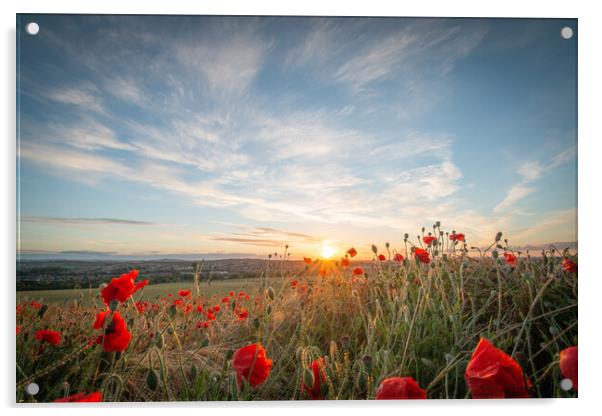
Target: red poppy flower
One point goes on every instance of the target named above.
(422, 255)
(81, 397)
(100, 319)
(352, 252)
(294, 283)
(307, 260)
(35, 305)
(242, 314)
(199, 308)
(122, 287)
(382, 257)
(569, 266)
(226, 300)
(116, 337)
(315, 391)
(231, 293)
(492, 374)
(510, 259)
(399, 388)
(49, 336)
(345, 262)
(251, 364)
(358, 271)
(184, 292)
(398, 257)
(141, 306)
(457, 237)
(568, 364)
(205, 324)
(428, 239)
(211, 316)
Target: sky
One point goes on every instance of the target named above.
(234, 136)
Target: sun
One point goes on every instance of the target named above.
(327, 250)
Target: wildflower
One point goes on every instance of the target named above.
(492, 374)
(231, 294)
(510, 259)
(122, 287)
(568, 364)
(49, 336)
(352, 252)
(242, 314)
(381, 257)
(399, 388)
(345, 262)
(294, 283)
(358, 271)
(313, 386)
(199, 308)
(203, 324)
(81, 397)
(457, 237)
(251, 364)
(307, 260)
(422, 255)
(116, 336)
(211, 316)
(100, 319)
(429, 239)
(141, 306)
(226, 300)
(569, 266)
(184, 292)
(398, 258)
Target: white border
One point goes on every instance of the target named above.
(589, 35)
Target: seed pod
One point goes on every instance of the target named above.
(271, 293)
(374, 249)
(494, 254)
(268, 310)
(498, 236)
(152, 379)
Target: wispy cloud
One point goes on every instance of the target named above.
(84, 96)
(95, 221)
(529, 173)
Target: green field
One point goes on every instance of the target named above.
(90, 295)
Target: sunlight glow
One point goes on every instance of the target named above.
(327, 250)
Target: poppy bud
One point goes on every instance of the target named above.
(205, 342)
(256, 323)
(345, 341)
(494, 254)
(271, 292)
(387, 245)
(229, 354)
(152, 379)
(374, 249)
(406, 236)
(498, 236)
(360, 382)
(172, 311)
(42, 311)
(367, 360)
(268, 310)
(113, 305)
(308, 377)
(159, 340)
(438, 224)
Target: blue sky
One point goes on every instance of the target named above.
(164, 135)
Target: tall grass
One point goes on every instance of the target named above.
(397, 319)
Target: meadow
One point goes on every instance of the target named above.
(430, 317)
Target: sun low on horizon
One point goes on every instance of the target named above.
(328, 250)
